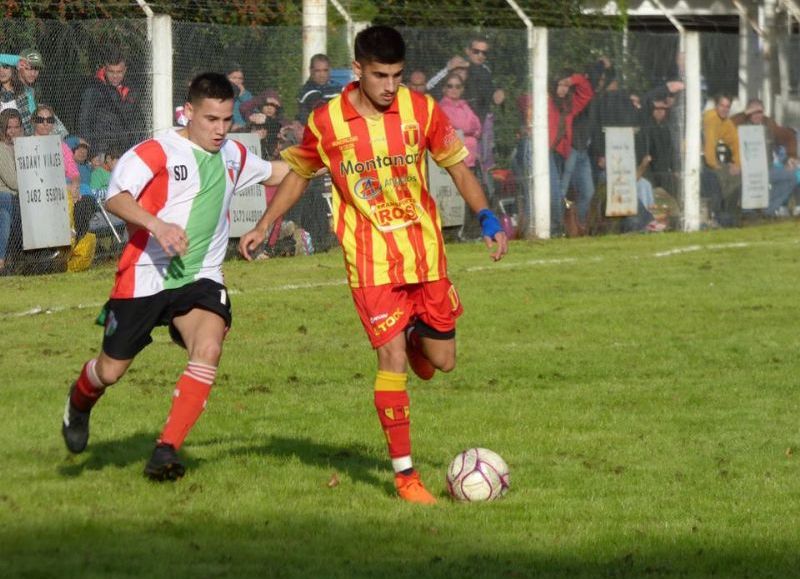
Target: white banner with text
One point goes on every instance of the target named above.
(43, 198)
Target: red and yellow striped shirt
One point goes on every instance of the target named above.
(383, 214)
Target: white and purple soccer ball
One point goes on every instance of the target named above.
(477, 474)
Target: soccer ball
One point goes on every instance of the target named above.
(477, 474)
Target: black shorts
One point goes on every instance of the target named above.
(129, 322)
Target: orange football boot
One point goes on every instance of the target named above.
(411, 489)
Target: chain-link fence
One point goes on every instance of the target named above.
(616, 131)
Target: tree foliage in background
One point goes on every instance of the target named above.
(432, 13)
(262, 36)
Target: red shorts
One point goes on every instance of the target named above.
(385, 310)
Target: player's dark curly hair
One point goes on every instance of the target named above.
(210, 85)
(381, 44)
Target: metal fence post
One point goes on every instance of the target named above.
(691, 161)
(540, 138)
(161, 65)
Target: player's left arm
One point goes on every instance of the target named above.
(279, 170)
(472, 192)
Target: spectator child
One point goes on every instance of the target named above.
(101, 176)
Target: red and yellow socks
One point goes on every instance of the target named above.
(188, 402)
(88, 388)
(392, 405)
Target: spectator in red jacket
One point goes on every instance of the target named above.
(570, 93)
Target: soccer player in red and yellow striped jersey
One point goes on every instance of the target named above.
(374, 139)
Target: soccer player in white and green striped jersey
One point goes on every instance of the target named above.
(174, 192)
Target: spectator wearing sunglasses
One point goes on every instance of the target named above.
(482, 95)
(463, 119)
(479, 90)
(44, 120)
(461, 116)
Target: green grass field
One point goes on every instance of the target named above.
(643, 390)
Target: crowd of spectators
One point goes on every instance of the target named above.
(582, 104)
(110, 120)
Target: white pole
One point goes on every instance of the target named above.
(540, 137)
(782, 49)
(792, 8)
(744, 54)
(161, 47)
(769, 20)
(159, 36)
(350, 26)
(533, 128)
(315, 32)
(691, 161)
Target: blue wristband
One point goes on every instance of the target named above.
(490, 226)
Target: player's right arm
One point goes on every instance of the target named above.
(171, 237)
(289, 192)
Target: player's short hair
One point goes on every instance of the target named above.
(210, 85)
(381, 44)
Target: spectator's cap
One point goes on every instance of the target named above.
(33, 56)
(74, 141)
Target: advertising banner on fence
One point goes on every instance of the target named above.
(620, 172)
(443, 190)
(247, 205)
(43, 198)
(755, 167)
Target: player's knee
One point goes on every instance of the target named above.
(442, 361)
(447, 364)
(208, 352)
(109, 373)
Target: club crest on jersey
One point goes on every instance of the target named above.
(367, 188)
(410, 134)
(233, 167)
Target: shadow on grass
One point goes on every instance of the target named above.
(120, 453)
(291, 545)
(357, 463)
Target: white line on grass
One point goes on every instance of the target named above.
(691, 248)
(507, 264)
(38, 310)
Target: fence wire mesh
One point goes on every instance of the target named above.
(481, 78)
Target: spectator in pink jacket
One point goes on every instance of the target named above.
(461, 116)
(464, 119)
(44, 120)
